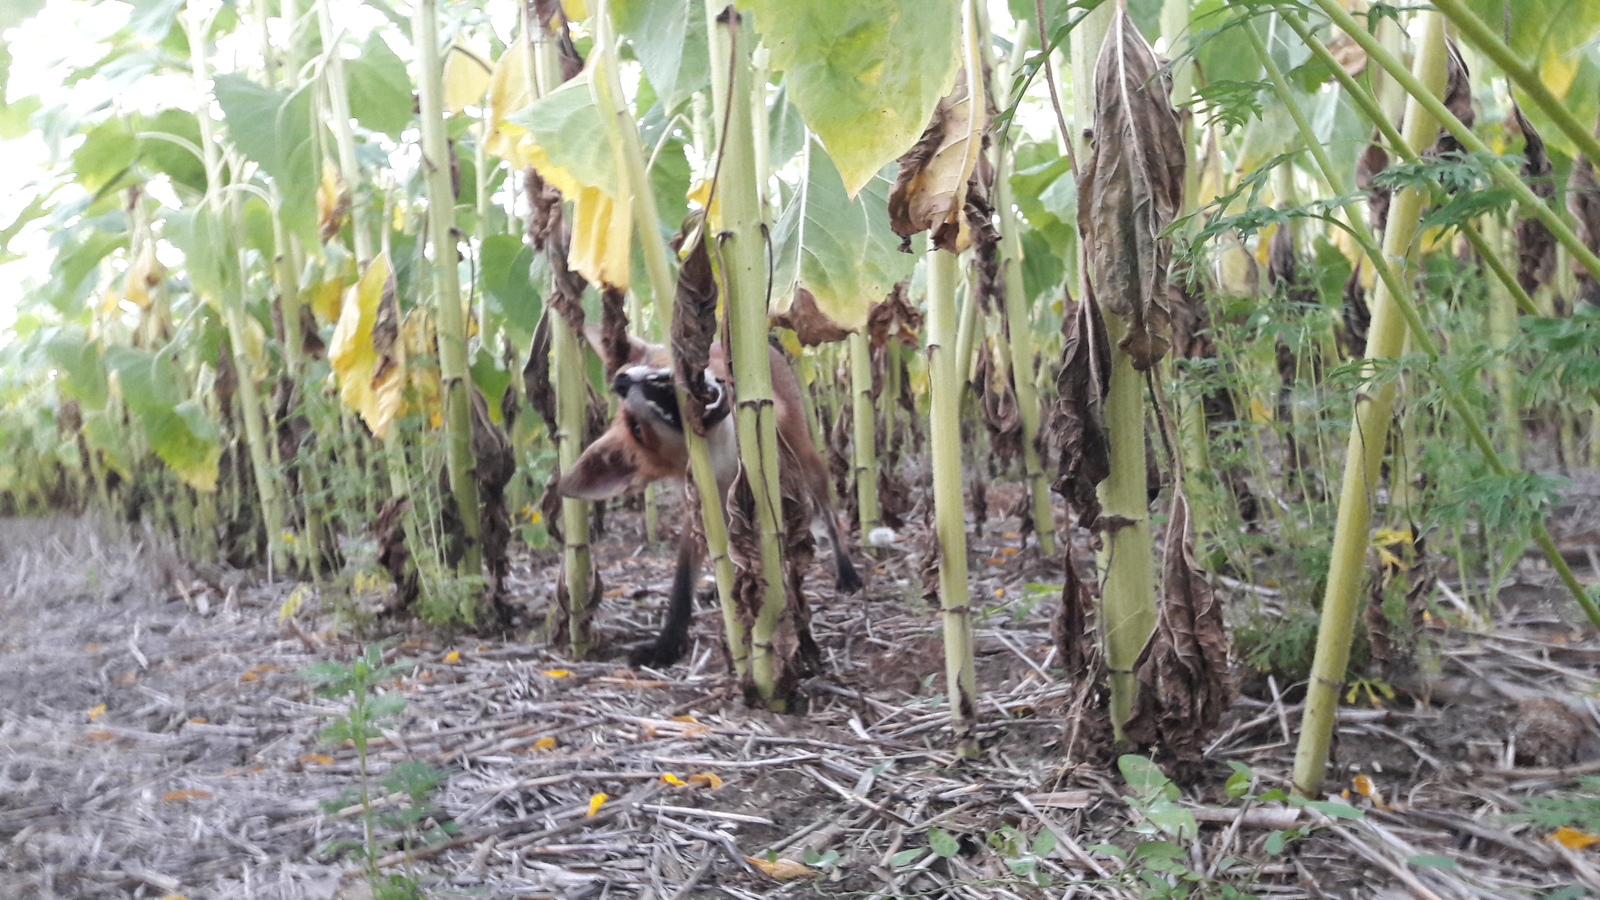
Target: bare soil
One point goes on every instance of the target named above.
(158, 738)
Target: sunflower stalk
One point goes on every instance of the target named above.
(863, 437)
(452, 333)
(741, 253)
(662, 286)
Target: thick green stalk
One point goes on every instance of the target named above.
(446, 280)
(944, 434)
(1374, 409)
(741, 250)
(1433, 106)
(569, 379)
(663, 288)
(1480, 35)
(1128, 597)
(233, 315)
(1502, 332)
(866, 463)
(343, 140)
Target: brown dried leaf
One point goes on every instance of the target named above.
(1374, 159)
(1353, 334)
(536, 374)
(930, 192)
(1536, 246)
(614, 344)
(1078, 428)
(1457, 99)
(1070, 625)
(694, 329)
(393, 554)
(495, 466)
(1131, 188)
(811, 325)
(1183, 676)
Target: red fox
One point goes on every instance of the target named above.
(645, 443)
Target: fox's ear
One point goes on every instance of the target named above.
(605, 469)
(639, 352)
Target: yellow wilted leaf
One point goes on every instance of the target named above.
(545, 743)
(1386, 541)
(333, 201)
(98, 711)
(556, 673)
(366, 352)
(1572, 838)
(780, 869)
(185, 794)
(669, 778)
(454, 656)
(144, 273)
(595, 803)
(508, 92)
(1259, 411)
(293, 602)
(321, 759)
(602, 229)
(709, 779)
(466, 77)
(575, 10)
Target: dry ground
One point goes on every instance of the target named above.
(157, 738)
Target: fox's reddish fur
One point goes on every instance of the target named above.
(641, 446)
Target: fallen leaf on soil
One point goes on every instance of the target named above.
(1572, 838)
(185, 794)
(595, 803)
(709, 779)
(321, 759)
(780, 869)
(97, 735)
(199, 720)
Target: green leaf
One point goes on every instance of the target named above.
(1044, 843)
(865, 74)
(786, 131)
(1145, 777)
(16, 117)
(380, 89)
(505, 261)
(34, 210)
(669, 40)
(152, 19)
(15, 12)
(273, 128)
(82, 372)
(1047, 195)
(207, 250)
(177, 161)
(491, 380)
(80, 258)
(840, 249)
(942, 843)
(906, 857)
(566, 124)
(1556, 37)
(106, 152)
(179, 431)
(1333, 810)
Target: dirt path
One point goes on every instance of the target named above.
(157, 738)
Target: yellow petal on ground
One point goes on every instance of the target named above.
(780, 869)
(709, 779)
(1572, 838)
(366, 353)
(545, 743)
(454, 656)
(1363, 785)
(595, 803)
(185, 794)
(555, 673)
(669, 778)
(97, 712)
(320, 759)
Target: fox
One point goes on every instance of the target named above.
(645, 443)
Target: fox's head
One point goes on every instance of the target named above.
(644, 443)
